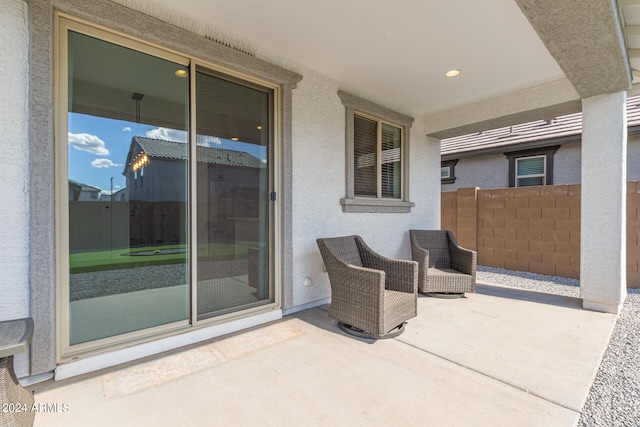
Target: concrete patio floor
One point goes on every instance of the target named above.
(502, 356)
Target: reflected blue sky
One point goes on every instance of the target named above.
(98, 147)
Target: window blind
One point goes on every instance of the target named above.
(390, 158)
(365, 135)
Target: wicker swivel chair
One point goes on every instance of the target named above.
(371, 296)
(446, 269)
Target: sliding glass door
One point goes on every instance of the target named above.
(167, 183)
(233, 133)
(127, 176)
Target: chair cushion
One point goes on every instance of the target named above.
(448, 280)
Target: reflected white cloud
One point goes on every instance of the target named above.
(126, 129)
(182, 136)
(104, 163)
(207, 141)
(168, 134)
(87, 142)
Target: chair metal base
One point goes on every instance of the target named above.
(351, 330)
(445, 295)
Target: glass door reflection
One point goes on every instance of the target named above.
(233, 140)
(127, 178)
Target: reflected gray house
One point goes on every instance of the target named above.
(117, 196)
(156, 176)
(79, 192)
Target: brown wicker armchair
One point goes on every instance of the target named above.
(445, 268)
(371, 296)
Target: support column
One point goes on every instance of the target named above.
(603, 253)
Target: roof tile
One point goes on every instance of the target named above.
(562, 126)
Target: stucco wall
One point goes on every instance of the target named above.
(319, 184)
(567, 159)
(14, 160)
(633, 158)
(14, 163)
(491, 171)
(566, 164)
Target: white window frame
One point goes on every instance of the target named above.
(542, 175)
(546, 151)
(359, 204)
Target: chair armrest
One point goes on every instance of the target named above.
(418, 253)
(355, 290)
(421, 256)
(357, 283)
(351, 281)
(401, 275)
(462, 259)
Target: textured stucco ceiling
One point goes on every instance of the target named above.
(630, 11)
(397, 51)
(521, 60)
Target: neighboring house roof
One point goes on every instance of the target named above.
(540, 133)
(172, 150)
(78, 186)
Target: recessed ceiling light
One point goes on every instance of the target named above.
(181, 73)
(452, 73)
(259, 127)
(235, 139)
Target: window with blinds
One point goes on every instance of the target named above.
(377, 154)
(377, 143)
(530, 171)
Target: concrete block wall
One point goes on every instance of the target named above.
(467, 217)
(633, 234)
(449, 211)
(535, 229)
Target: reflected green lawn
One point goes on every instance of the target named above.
(85, 262)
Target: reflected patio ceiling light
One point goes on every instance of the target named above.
(181, 73)
(235, 139)
(453, 73)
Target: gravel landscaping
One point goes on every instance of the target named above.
(112, 282)
(614, 399)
